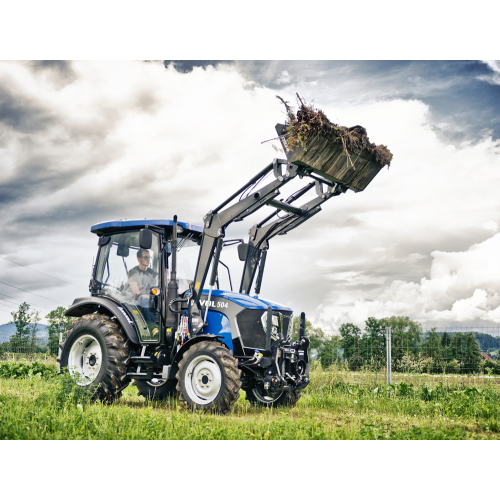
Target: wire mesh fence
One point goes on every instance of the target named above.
(28, 348)
(463, 355)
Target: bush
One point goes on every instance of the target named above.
(409, 364)
(453, 366)
(11, 369)
(492, 367)
(68, 393)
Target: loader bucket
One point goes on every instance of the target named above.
(329, 160)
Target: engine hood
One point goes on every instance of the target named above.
(247, 301)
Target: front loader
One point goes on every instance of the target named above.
(151, 320)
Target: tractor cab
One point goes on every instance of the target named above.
(133, 276)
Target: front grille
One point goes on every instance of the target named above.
(251, 330)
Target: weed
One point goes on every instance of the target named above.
(25, 369)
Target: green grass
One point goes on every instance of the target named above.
(34, 407)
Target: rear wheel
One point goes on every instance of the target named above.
(208, 377)
(156, 391)
(259, 397)
(96, 354)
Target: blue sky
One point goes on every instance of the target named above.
(82, 142)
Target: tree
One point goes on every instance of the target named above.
(58, 324)
(432, 349)
(373, 342)
(472, 354)
(329, 352)
(445, 346)
(21, 318)
(405, 336)
(350, 335)
(314, 334)
(456, 349)
(25, 338)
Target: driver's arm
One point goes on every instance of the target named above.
(135, 287)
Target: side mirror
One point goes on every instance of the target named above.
(242, 251)
(123, 250)
(145, 239)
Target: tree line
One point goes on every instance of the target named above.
(411, 349)
(25, 339)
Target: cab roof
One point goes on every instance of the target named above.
(114, 226)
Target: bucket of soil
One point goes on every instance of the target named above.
(337, 153)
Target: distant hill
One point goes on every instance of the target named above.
(486, 341)
(6, 331)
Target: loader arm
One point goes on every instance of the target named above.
(216, 221)
(258, 241)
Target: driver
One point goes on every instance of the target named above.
(142, 278)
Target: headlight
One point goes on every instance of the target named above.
(276, 324)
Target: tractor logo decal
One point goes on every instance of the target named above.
(213, 303)
(126, 315)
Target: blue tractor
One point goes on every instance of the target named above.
(151, 321)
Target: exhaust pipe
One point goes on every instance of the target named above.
(172, 319)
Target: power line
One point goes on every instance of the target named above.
(45, 274)
(30, 304)
(6, 305)
(41, 296)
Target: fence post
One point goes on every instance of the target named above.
(59, 352)
(388, 354)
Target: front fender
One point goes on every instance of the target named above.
(199, 338)
(89, 305)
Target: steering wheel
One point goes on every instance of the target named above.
(111, 286)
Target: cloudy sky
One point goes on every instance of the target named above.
(84, 142)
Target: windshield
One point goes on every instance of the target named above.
(187, 257)
(127, 273)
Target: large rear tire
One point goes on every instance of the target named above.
(257, 396)
(156, 392)
(208, 377)
(96, 353)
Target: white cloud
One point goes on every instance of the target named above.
(490, 225)
(462, 287)
(495, 77)
(283, 78)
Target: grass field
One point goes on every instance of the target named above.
(33, 407)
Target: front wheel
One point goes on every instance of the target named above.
(259, 397)
(208, 377)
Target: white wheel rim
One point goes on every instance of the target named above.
(265, 399)
(85, 359)
(203, 380)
